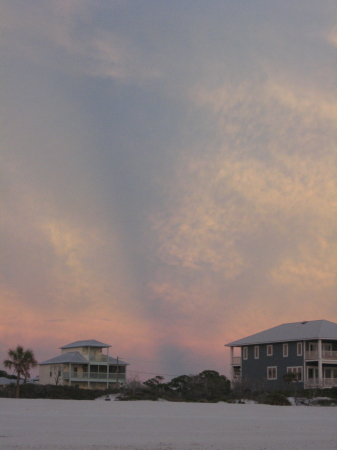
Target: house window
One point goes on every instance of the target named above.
(297, 371)
(245, 352)
(299, 349)
(50, 373)
(269, 350)
(256, 352)
(272, 373)
(285, 350)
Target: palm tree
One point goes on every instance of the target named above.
(22, 361)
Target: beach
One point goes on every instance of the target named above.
(99, 424)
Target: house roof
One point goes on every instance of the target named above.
(70, 357)
(87, 343)
(77, 358)
(297, 331)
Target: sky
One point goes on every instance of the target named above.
(168, 175)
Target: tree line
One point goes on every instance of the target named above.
(207, 386)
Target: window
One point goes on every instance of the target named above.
(245, 352)
(269, 350)
(297, 371)
(256, 352)
(299, 349)
(272, 373)
(50, 373)
(285, 350)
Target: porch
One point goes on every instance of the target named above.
(327, 355)
(236, 361)
(94, 376)
(320, 383)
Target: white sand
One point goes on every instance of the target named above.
(68, 424)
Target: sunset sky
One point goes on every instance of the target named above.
(168, 175)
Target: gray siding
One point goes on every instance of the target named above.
(254, 371)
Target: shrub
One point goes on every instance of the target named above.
(333, 392)
(325, 402)
(275, 398)
(53, 392)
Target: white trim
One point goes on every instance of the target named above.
(256, 352)
(273, 375)
(299, 348)
(270, 349)
(245, 353)
(285, 350)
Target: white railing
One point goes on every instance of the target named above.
(93, 376)
(325, 382)
(326, 354)
(329, 354)
(311, 355)
(98, 358)
(330, 382)
(236, 361)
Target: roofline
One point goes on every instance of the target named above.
(71, 345)
(278, 341)
(264, 338)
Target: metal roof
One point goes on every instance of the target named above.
(70, 357)
(77, 358)
(87, 343)
(297, 331)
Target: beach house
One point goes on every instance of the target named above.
(304, 353)
(85, 365)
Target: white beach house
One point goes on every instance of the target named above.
(83, 364)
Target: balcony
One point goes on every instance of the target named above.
(236, 361)
(326, 355)
(93, 376)
(98, 358)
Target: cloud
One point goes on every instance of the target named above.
(260, 175)
(332, 37)
(70, 38)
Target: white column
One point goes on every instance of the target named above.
(231, 363)
(304, 374)
(107, 381)
(89, 367)
(320, 366)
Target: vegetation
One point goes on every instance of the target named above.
(53, 392)
(4, 374)
(275, 398)
(21, 361)
(208, 386)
